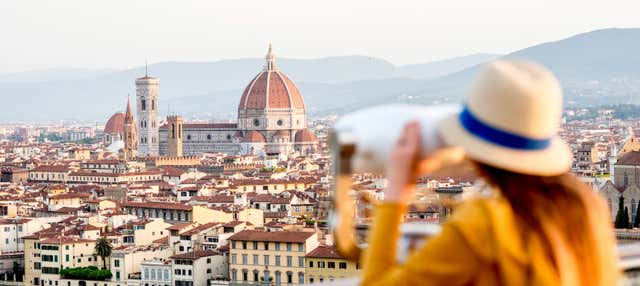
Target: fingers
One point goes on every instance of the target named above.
(410, 137)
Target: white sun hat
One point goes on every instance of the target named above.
(511, 120)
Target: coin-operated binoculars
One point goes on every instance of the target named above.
(361, 142)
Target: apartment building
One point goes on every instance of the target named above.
(324, 264)
(272, 257)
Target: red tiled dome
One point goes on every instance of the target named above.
(254, 137)
(115, 124)
(305, 135)
(271, 88)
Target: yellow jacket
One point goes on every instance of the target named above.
(479, 245)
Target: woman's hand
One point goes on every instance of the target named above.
(403, 165)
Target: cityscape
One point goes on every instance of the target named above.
(196, 192)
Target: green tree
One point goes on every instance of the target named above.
(619, 223)
(636, 223)
(103, 249)
(625, 219)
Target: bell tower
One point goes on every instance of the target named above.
(147, 115)
(174, 137)
(130, 139)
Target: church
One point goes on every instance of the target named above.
(271, 120)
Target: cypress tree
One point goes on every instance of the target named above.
(619, 223)
(625, 219)
(636, 223)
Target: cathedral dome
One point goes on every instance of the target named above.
(254, 137)
(305, 135)
(115, 124)
(271, 89)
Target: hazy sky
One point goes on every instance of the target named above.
(125, 33)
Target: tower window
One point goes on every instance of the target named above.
(173, 130)
(153, 104)
(143, 104)
(256, 122)
(228, 136)
(188, 137)
(208, 136)
(279, 122)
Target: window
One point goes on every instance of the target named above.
(118, 275)
(342, 265)
(288, 246)
(331, 264)
(66, 258)
(233, 244)
(266, 260)
(255, 259)
(143, 104)
(266, 245)
(310, 264)
(208, 260)
(116, 263)
(234, 275)
(300, 247)
(255, 276)
(300, 261)
(244, 259)
(320, 264)
(279, 122)
(277, 246)
(177, 272)
(289, 261)
(300, 278)
(277, 260)
(234, 258)
(255, 245)
(146, 273)
(244, 245)
(208, 270)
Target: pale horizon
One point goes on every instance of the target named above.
(123, 34)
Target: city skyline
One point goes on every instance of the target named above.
(120, 35)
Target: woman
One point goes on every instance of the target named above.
(539, 226)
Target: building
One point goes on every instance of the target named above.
(147, 115)
(271, 120)
(199, 268)
(114, 129)
(174, 140)
(169, 212)
(325, 264)
(156, 272)
(274, 257)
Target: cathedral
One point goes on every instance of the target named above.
(271, 120)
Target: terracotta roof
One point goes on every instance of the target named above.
(69, 196)
(305, 135)
(179, 226)
(630, 158)
(200, 228)
(195, 255)
(325, 251)
(253, 137)
(278, 236)
(271, 89)
(115, 124)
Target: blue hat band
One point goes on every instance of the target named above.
(500, 137)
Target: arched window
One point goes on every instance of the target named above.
(153, 104)
(143, 104)
(173, 130)
(300, 278)
(208, 136)
(188, 137)
(626, 179)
